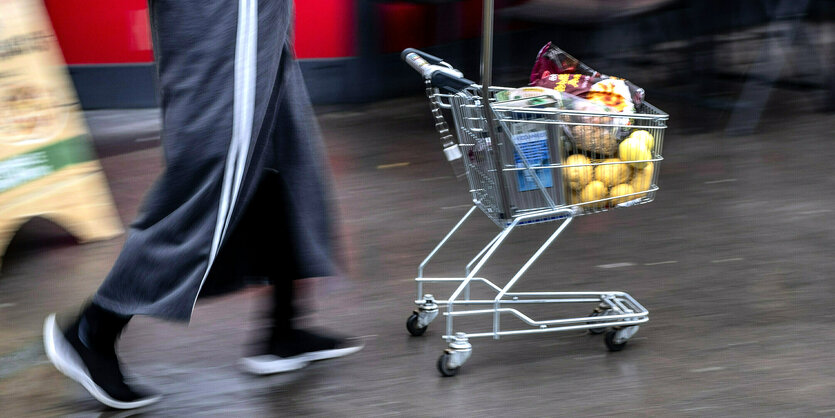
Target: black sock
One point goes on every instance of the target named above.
(93, 336)
(283, 310)
(99, 328)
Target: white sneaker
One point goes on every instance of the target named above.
(297, 351)
(68, 361)
(271, 364)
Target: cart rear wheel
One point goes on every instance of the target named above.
(412, 326)
(442, 366)
(610, 341)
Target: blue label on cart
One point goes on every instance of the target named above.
(534, 147)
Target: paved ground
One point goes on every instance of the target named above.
(734, 261)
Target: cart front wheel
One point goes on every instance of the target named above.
(596, 331)
(412, 326)
(610, 341)
(443, 360)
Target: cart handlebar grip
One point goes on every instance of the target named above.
(428, 57)
(430, 67)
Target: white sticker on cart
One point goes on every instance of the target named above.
(534, 147)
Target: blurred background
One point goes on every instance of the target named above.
(733, 259)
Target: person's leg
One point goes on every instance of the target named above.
(86, 352)
(283, 311)
(283, 347)
(217, 63)
(287, 340)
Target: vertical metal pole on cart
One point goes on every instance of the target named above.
(486, 81)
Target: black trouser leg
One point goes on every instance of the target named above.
(265, 223)
(277, 258)
(283, 309)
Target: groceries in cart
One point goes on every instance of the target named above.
(574, 85)
(607, 148)
(577, 78)
(619, 179)
(573, 137)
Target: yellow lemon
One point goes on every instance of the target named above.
(578, 177)
(633, 149)
(595, 190)
(642, 180)
(646, 137)
(621, 190)
(612, 174)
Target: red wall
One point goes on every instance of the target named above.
(101, 31)
(117, 31)
(325, 28)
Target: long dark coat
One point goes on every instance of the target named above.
(234, 107)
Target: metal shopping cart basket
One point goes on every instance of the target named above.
(532, 161)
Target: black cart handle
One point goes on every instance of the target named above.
(428, 57)
(436, 70)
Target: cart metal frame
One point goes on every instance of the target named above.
(483, 139)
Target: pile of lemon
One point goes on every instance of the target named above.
(603, 181)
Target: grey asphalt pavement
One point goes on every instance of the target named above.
(733, 260)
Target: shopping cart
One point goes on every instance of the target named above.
(531, 161)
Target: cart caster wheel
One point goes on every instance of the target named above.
(596, 331)
(442, 366)
(610, 341)
(412, 326)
